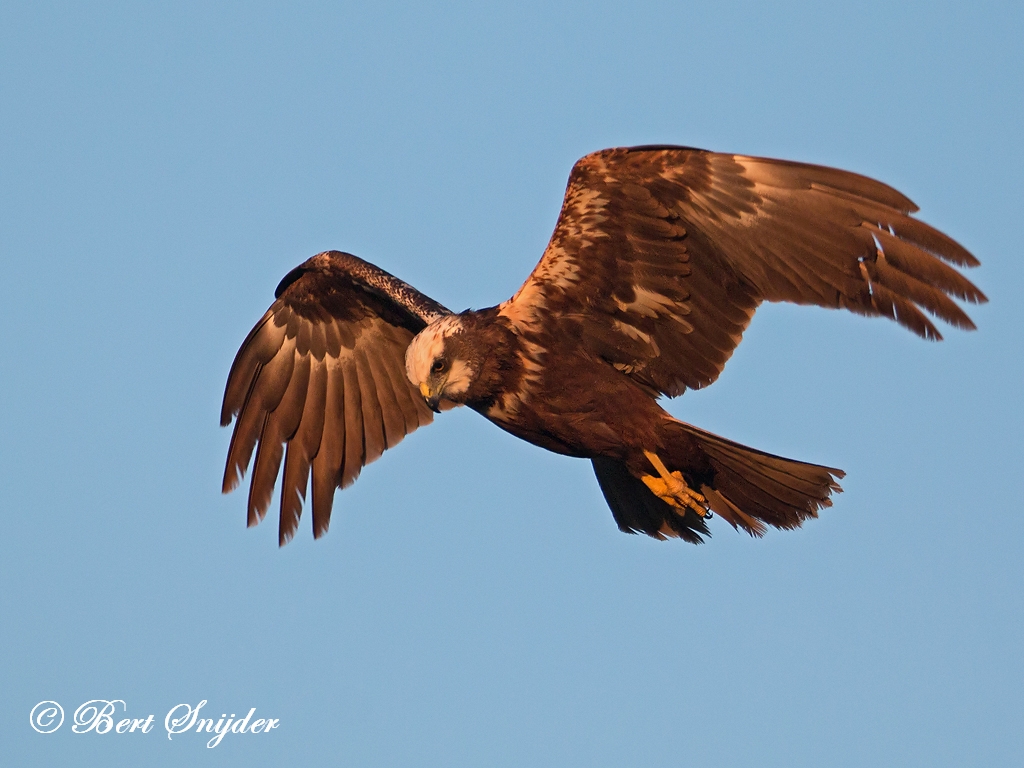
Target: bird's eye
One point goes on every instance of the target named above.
(437, 366)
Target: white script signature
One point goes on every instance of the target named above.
(101, 716)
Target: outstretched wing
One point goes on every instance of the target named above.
(323, 372)
(661, 255)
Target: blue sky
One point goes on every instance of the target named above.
(473, 604)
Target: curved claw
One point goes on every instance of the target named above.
(671, 488)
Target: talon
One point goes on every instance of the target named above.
(671, 488)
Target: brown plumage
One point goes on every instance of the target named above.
(323, 372)
(658, 261)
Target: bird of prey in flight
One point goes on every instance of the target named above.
(659, 258)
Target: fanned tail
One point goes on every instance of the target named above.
(748, 488)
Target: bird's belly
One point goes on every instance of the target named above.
(577, 423)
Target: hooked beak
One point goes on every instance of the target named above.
(432, 400)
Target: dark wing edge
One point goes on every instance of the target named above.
(661, 255)
(320, 383)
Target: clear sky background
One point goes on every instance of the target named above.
(163, 166)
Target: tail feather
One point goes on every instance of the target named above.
(732, 514)
(770, 489)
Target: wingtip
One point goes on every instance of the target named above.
(231, 480)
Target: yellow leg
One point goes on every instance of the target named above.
(672, 488)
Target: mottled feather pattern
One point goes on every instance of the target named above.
(662, 254)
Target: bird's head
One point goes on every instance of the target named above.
(438, 363)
